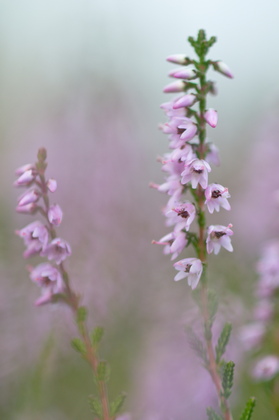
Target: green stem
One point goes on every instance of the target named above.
(212, 365)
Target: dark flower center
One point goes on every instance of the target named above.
(219, 234)
(187, 268)
(183, 213)
(180, 130)
(216, 194)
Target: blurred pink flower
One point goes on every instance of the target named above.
(57, 250)
(55, 215)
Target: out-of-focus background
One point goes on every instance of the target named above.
(84, 79)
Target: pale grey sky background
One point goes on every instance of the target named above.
(45, 45)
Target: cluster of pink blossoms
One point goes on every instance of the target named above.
(265, 325)
(40, 238)
(187, 166)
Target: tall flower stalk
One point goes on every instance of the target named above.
(187, 166)
(40, 238)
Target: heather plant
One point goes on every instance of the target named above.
(260, 335)
(191, 198)
(40, 239)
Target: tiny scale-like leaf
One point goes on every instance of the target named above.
(78, 345)
(117, 404)
(97, 335)
(95, 407)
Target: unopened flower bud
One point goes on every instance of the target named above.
(184, 101)
(183, 74)
(178, 86)
(223, 68)
(177, 59)
(24, 168)
(55, 215)
(27, 209)
(211, 117)
(30, 196)
(26, 178)
(52, 185)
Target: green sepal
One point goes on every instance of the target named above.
(81, 314)
(227, 381)
(78, 345)
(95, 407)
(103, 371)
(117, 404)
(197, 345)
(97, 335)
(212, 415)
(248, 410)
(223, 341)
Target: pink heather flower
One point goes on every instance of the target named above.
(211, 117)
(174, 87)
(189, 128)
(186, 213)
(266, 368)
(177, 127)
(216, 196)
(223, 68)
(177, 59)
(191, 268)
(219, 236)
(251, 335)
(172, 187)
(27, 209)
(196, 172)
(182, 154)
(174, 243)
(25, 179)
(35, 237)
(171, 127)
(24, 168)
(52, 185)
(184, 101)
(58, 250)
(170, 111)
(30, 196)
(183, 73)
(49, 279)
(55, 215)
